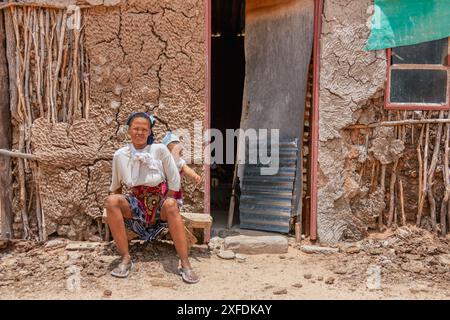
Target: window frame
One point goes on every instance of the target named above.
(415, 106)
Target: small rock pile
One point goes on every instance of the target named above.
(410, 253)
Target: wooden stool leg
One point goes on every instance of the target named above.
(206, 235)
(107, 233)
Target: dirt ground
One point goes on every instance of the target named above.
(413, 264)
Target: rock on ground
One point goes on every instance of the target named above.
(257, 245)
(226, 254)
(318, 249)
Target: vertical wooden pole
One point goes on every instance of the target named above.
(5, 139)
(318, 9)
(207, 121)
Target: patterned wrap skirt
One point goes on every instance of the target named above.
(146, 203)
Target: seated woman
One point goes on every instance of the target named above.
(143, 166)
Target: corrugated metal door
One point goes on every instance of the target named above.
(266, 201)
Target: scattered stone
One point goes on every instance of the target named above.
(162, 283)
(307, 276)
(27, 261)
(107, 293)
(5, 283)
(313, 281)
(385, 262)
(226, 254)
(106, 259)
(268, 287)
(240, 257)
(414, 266)
(282, 257)
(95, 238)
(82, 246)
(444, 259)
(403, 232)
(297, 285)
(340, 271)
(352, 250)
(10, 262)
(318, 249)
(375, 251)
(55, 243)
(257, 245)
(413, 256)
(329, 280)
(23, 246)
(215, 243)
(24, 273)
(73, 256)
(4, 244)
(156, 274)
(414, 290)
(319, 278)
(279, 292)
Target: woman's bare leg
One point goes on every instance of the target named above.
(117, 208)
(171, 214)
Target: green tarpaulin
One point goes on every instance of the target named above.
(404, 22)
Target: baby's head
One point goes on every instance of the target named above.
(173, 143)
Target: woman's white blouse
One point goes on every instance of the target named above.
(144, 167)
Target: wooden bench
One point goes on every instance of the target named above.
(192, 221)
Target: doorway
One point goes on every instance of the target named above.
(227, 85)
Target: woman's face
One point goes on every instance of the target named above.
(139, 131)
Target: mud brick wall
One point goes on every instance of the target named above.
(143, 56)
(351, 87)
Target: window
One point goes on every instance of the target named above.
(418, 76)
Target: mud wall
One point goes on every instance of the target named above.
(351, 87)
(368, 178)
(143, 56)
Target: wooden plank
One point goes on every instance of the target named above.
(5, 138)
(197, 220)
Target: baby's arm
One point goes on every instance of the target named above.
(190, 173)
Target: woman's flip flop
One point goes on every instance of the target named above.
(122, 270)
(188, 275)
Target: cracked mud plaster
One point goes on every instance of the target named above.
(351, 87)
(144, 56)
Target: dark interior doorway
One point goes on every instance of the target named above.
(227, 85)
